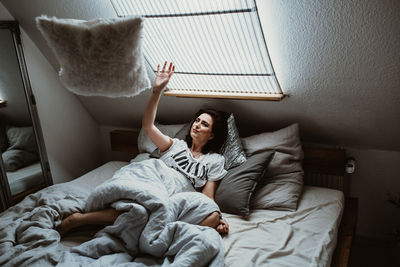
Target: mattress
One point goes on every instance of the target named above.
(306, 237)
(25, 178)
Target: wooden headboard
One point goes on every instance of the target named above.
(124, 141)
(325, 167)
(329, 161)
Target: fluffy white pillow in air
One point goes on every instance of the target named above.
(101, 57)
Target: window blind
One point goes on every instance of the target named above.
(218, 47)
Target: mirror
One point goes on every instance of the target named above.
(24, 165)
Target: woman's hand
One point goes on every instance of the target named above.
(162, 77)
(162, 141)
(223, 227)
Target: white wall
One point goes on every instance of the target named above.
(338, 60)
(72, 136)
(11, 86)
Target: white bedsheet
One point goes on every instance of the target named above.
(306, 237)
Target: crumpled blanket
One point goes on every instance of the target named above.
(27, 230)
(159, 227)
(159, 220)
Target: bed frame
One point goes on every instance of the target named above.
(323, 166)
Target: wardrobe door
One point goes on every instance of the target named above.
(24, 166)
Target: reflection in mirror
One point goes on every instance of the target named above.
(24, 163)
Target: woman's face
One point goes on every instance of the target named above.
(201, 130)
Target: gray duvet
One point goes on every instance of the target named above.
(158, 228)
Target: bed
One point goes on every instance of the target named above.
(311, 230)
(318, 232)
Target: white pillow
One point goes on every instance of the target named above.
(145, 145)
(99, 57)
(282, 183)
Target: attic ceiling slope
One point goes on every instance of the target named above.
(338, 60)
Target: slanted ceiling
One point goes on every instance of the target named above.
(338, 60)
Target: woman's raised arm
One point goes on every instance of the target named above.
(162, 141)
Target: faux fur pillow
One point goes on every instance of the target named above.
(99, 57)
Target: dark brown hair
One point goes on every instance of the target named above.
(219, 129)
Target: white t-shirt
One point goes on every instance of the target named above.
(208, 167)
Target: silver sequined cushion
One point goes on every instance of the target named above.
(232, 149)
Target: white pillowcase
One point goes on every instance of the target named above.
(145, 145)
(282, 183)
(100, 57)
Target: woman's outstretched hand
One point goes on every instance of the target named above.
(162, 77)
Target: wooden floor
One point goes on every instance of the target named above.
(367, 252)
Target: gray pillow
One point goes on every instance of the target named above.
(22, 138)
(235, 190)
(14, 159)
(145, 145)
(181, 134)
(282, 184)
(232, 149)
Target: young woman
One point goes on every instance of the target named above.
(193, 159)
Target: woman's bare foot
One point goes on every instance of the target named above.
(223, 227)
(69, 223)
(100, 217)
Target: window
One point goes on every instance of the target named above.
(218, 47)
